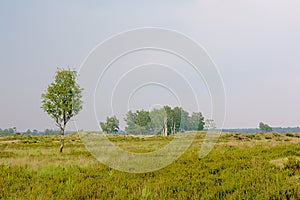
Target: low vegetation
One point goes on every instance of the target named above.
(241, 166)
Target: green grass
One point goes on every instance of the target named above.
(262, 166)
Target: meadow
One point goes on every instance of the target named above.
(241, 166)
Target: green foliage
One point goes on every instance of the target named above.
(175, 118)
(145, 122)
(138, 122)
(7, 131)
(157, 117)
(49, 132)
(276, 134)
(265, 128)
(142, 118)
(62, 100)
(185, 121)
(197, 121)
(250, 136)
(111, 125)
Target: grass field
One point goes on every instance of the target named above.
(241, 166)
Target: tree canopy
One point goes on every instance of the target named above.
(265, 127)
(111, 125)
(164, 121)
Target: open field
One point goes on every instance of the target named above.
(241, 166)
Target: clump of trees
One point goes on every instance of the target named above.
(45, 132)
(28, 131)
(62, 99)
(265, 128)
(164, 121)
(32, 132)
(111, 125)
(210, 124)
(8, 131)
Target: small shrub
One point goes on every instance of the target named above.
(293, 164)
(297, 135)
(276, 134)
(250, 136)
(288, 153)
(290, 134)
(237, 135)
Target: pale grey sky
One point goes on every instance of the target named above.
(255, 44)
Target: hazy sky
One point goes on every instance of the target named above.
(255, 45)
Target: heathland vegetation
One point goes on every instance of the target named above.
(241, 166)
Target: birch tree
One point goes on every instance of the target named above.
(62, 99)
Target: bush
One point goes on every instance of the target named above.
(293, 164)
(290, 135)
(250, 136)
(257, 138)
(276, 134)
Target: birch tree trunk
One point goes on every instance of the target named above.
(62, 140)
(174, 128)
(165, 128)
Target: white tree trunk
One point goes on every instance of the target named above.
(165, 128)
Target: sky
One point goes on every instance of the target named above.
(254, 44)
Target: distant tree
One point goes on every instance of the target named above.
(196, 121)
(62, 100)
(210, 124)
(185, 121)
(169, 120)
(265, 127)
(176, 115)
(111, 125)
(142, 118)
(7, 131)
(157, 121)
(51, 132)
(131, 126)
(166, 120)
(138, 122)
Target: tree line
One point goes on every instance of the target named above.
(163, 121)
(33, 132)
(8, 131)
